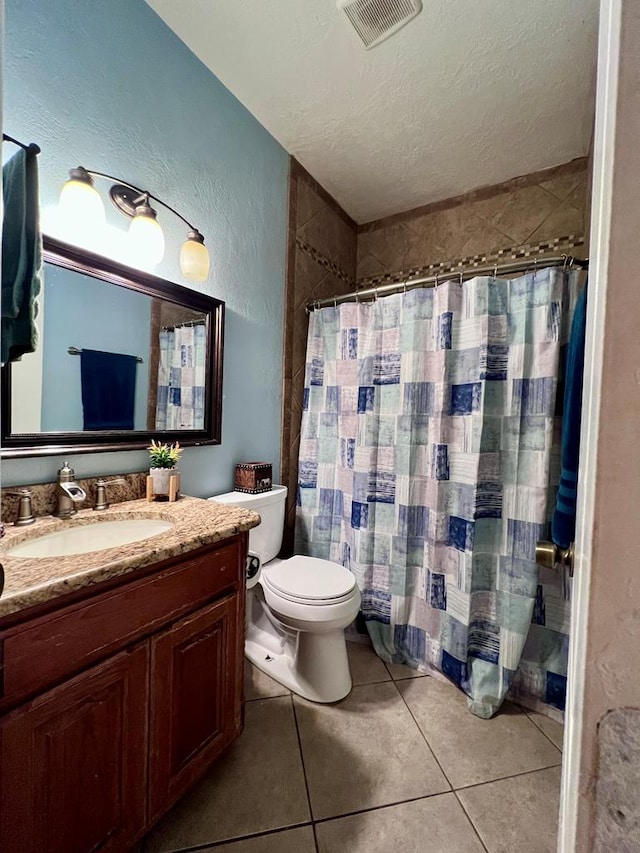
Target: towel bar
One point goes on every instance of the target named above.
(76, 351)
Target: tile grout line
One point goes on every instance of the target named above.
(511, 776)
(380, 807)
(239, 838)
(470, 819)
(313, 821)
(304, 772)
(424, 737)
(540, 729)
(488, 781)
(453, 790)
(266, 698)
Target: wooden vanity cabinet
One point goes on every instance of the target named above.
(74, 761)
(191, 698)
(89, 761)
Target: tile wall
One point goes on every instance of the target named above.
(321, 263)
(539, 214)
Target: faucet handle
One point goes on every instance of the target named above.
(25, 510)
(101, 494)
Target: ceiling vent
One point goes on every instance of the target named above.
(376, 20)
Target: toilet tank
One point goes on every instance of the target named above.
(265, 539)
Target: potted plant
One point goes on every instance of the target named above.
(163, 459)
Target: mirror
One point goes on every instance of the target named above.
(122, 356)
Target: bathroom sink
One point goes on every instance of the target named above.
(90, 537)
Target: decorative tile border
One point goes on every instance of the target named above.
(319, 258)
(558, 245)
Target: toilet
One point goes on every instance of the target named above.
(297, 609)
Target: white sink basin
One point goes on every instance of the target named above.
(90, 537)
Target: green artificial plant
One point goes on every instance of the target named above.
(164, 455)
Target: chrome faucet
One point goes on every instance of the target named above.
(25, 512)
(101, 492)
(68, 493)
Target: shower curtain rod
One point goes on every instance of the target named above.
(434, 280)
(200, 322)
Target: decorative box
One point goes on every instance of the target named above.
(253, 477)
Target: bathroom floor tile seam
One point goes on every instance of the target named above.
(528, 712)
(442, 770)
(316, 832)
(304, 769)
(385, 680)
(499, 778)
(313, 822)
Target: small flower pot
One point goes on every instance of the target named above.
(161, 479)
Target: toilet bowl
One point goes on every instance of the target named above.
(297, 609)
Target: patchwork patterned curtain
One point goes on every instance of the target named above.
(181, 378)
(424, 467)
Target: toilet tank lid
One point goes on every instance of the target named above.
(277, 493)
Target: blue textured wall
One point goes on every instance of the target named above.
(84, 312)
(109, 86)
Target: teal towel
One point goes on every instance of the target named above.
(21, 256)
(563, 524)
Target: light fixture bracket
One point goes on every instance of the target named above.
(196, 236)
(80, 174)
(125, 199)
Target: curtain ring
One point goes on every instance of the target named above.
(335, 301)
(436, 282)
(495, 270)
(461, 278)
(357, 298)
(404, 289)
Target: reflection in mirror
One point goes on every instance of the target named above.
(119, 352)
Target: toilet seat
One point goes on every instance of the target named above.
(309, 580)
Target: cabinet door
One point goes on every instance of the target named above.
(73, 772)
(193, 699)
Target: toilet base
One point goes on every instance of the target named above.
(315, 666)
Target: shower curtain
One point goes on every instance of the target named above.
(181, 377)
(427, 429)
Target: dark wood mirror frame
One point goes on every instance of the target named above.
(50, 443)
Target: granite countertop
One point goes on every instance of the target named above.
(31, 581)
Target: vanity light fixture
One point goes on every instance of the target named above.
(80, 202)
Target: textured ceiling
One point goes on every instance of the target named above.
(469, 93)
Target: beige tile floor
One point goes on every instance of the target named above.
(400, 764)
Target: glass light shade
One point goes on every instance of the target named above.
(146, 239)
(194, 260)
(80, 206)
